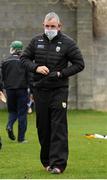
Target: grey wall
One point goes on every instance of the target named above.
(92, 82)
(22, 20)
(100, 73)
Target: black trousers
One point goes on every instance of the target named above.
(51, 119)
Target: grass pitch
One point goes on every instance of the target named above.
(87, 157)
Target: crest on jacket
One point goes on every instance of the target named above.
(57, 48)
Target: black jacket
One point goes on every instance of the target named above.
(1, 84)
(14, 75)
(55, 55)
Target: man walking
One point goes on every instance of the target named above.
(47, 56)
(14, 77)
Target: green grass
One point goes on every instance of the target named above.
(87, 157)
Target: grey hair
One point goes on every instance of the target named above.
(52, 15)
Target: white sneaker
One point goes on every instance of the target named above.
(24, 141)
(48, 168)
(56, 171)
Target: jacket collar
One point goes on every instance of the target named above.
(14, 56)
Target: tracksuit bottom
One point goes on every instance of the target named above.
(17, 108)
(51, 119)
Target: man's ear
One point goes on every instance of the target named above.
(59, 26)
(43, 24)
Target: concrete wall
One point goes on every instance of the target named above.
(100, 74)
(85, 42)
(22, 19)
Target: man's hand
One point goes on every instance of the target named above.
(2, 97)
(42, 70)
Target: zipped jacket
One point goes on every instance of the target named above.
(14, 75)
(60, 54)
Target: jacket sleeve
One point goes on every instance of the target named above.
(1, 82)
(75, 58)
(28, 56)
